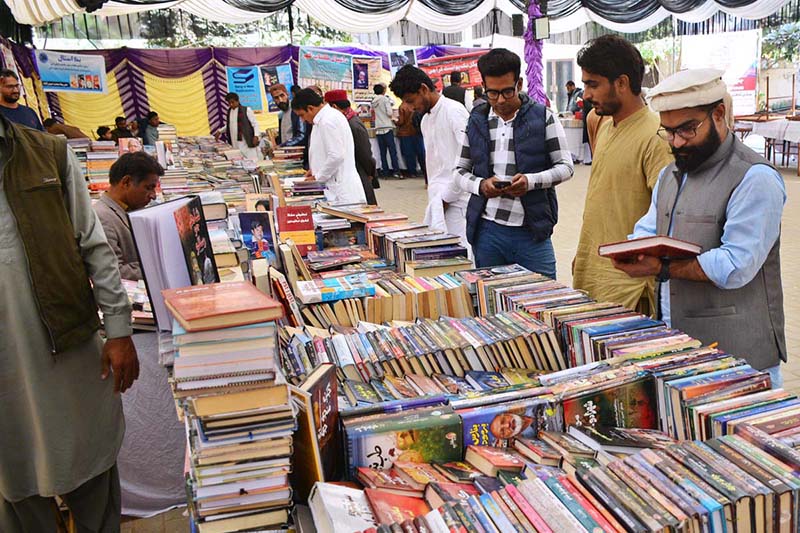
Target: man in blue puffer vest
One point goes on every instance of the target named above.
(514, 154)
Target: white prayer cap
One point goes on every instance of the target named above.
(690, 88)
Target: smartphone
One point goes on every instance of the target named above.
(501, 184)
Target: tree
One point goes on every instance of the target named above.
(781, 44)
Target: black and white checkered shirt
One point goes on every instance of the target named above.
(507, 210)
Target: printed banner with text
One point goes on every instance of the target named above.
(440, 68)
(277, 74)
(71, 72)
(245, 82)
(366, 74)
(329, 70)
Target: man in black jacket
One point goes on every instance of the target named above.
(455, 91)
(242, 128)
(365, 163)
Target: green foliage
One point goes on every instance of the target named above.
(782, 43)
(175, 29)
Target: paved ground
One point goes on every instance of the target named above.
(409, 196)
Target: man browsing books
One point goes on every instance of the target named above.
(514, 154)
(242, 128)
(627, 157)
(61, 417)
(133, 178)
(729, 200)
(331, 150)
(442, 126)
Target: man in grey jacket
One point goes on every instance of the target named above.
(384, 129)
(134, 179)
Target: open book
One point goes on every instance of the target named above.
(656, 246)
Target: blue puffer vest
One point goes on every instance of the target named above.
(530, 150)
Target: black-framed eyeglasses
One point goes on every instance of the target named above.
(683, 131)
(493, 94)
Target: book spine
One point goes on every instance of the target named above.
(478, 510)
(530, 513)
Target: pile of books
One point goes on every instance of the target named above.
(551, 483)
(98, 165)
(448, 349)
(239, 415)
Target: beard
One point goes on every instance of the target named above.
(10, 99)
(688, 158)
(608, 108)
(283, 106)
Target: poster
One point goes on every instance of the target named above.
(71, 72)
(329, 70)
(245, 82)
(397, 60)
(276, 74)
(737, 53)
(366, 74)
(440, 68)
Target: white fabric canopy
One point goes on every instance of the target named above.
(330, 13)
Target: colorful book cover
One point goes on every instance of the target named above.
(257, 235)
(297, 223)
(385, 480)
(500, 458)
(394, 508)
(495, 513)
(630, 405)
(458, 471)
(422, 436)
(419, 473)
(496, 425)
(196, 243)
(329, 290)
(486, 380)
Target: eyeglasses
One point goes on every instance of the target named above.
(684, 132)
(493, 94)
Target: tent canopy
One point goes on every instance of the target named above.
(446, 16)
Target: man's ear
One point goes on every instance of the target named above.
(126, 181)
(622, 82)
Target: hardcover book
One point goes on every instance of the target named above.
(491, 460)
(655, 246)
(394, 508)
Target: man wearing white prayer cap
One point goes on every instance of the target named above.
(725, 197)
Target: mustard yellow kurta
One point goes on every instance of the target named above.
(628, 158)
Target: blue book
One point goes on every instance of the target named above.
(725, 418)
(495, 513)
(486, 380)
(477, 509)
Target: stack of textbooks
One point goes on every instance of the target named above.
(239, 416)
(98, 165)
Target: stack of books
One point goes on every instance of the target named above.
(742, 482)
(238, 413)
(98, 165)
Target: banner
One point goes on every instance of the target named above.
(277, 74)
(440, 68)
(72, 72)
(329, 70)
(737, 54)
(245, 82)
(398, 60)
(366, 73)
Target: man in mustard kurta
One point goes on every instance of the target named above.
(628, 157)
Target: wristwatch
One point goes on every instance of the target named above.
(663, 275)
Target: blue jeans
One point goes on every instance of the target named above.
(775, 375)
(413, 150)
(502, 245)
(386, 141)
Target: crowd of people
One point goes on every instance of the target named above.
(667, 165)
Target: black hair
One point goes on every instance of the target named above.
(570, 82)
(49, 122)
(8, 73)
(499, 62)
(379, 89)
(118, 120)
(138, 165)
(410, 79)
(455, 77)
(477, 92)
(341, 104)
(295, 88)
(230, 97)
(611, 56)
(306, 98)
(255, 224)
(102, 130)
(151, 115)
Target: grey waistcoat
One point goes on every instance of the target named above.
(747, 322)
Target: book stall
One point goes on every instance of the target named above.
(341, 368)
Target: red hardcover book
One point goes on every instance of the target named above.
(393, 508)
(491, 460)
(220, 305)
(655, 246)
(387, 481)
(527, 509)
(296, 223)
